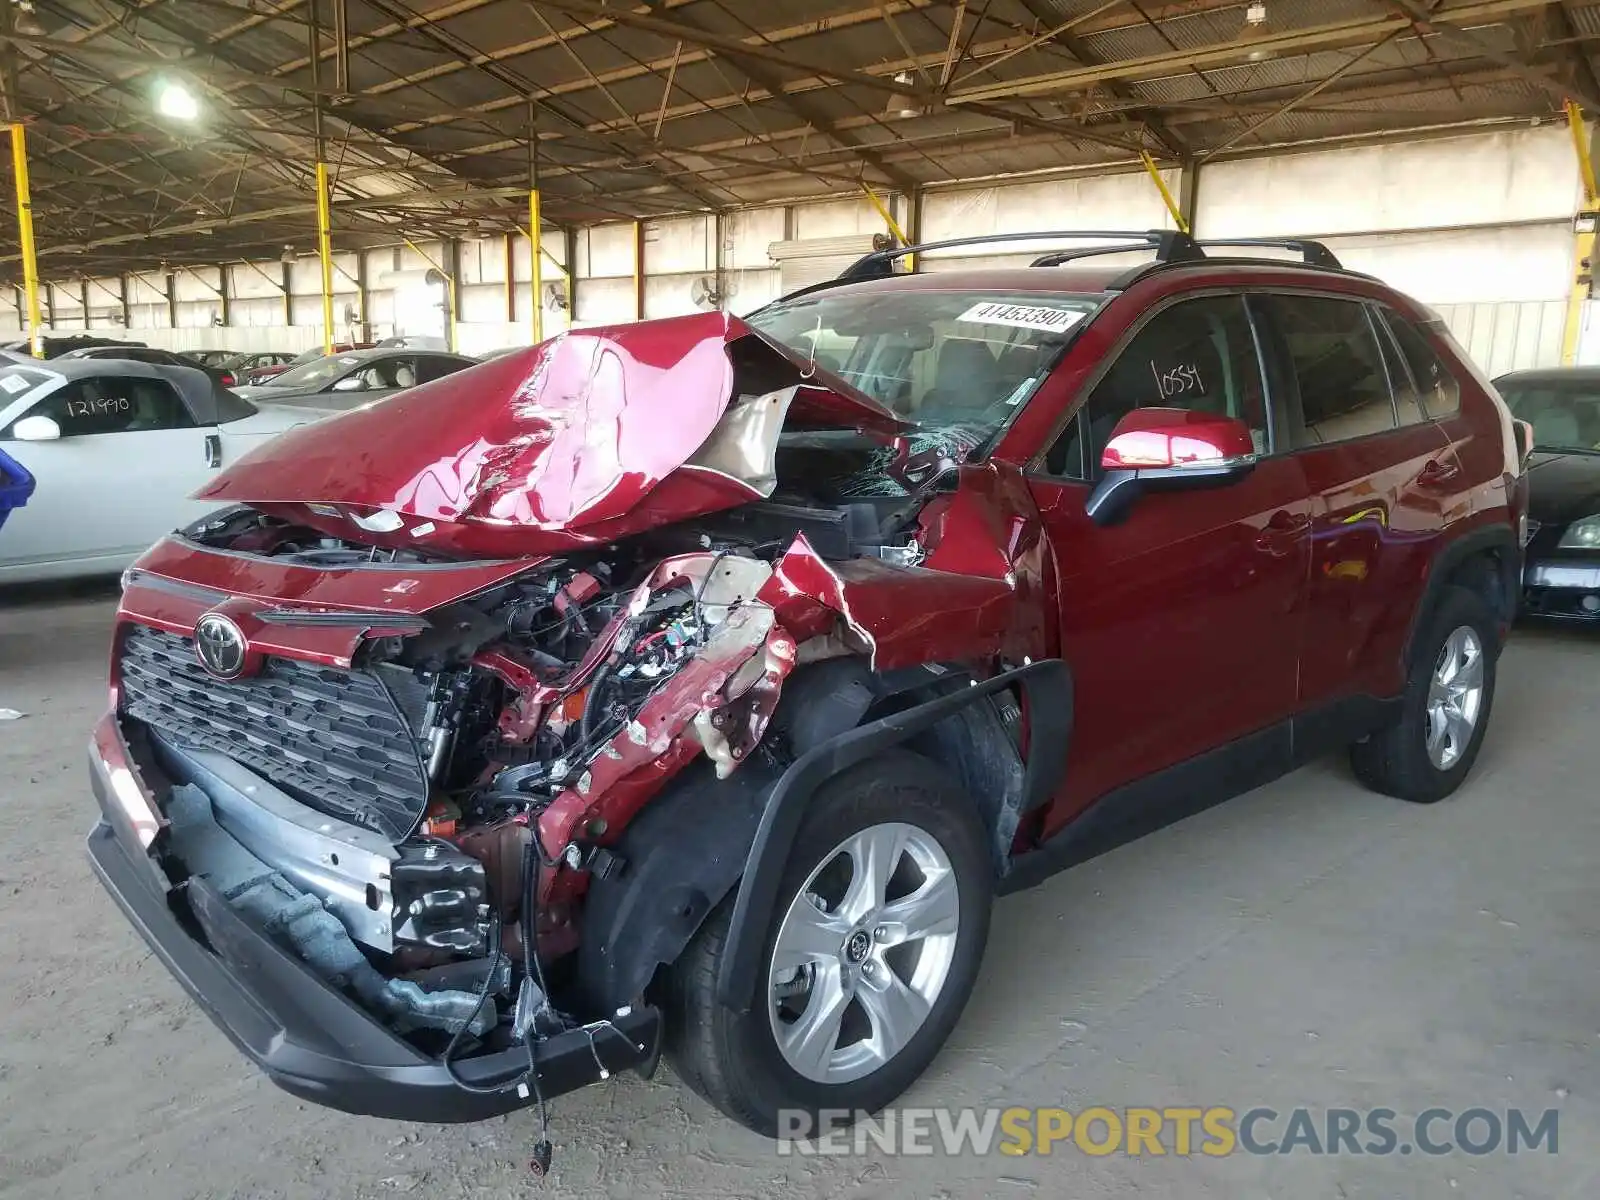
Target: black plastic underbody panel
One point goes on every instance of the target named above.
(337, 739)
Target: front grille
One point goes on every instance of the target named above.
(335, 739)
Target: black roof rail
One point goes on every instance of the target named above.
(1313, 254)
(1168, 244)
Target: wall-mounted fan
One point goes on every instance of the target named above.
(555, 296)
(703, 293)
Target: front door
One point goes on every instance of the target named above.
(1181, 624)
(116, 480)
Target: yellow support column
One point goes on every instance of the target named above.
(325, 253)
(638, 270)
(894, 226)
(536, 279)
(1166, 193)
(1584, 240)
(30, 257)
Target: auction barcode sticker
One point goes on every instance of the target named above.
(1022, 316)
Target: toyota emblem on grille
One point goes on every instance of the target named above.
(219, 645)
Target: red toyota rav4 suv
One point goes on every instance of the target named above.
(695, 684)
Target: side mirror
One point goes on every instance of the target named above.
(350, 383)
(1163, 449)
(1524, 435)
(36, 429)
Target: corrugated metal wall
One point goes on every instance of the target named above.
(1477, 226)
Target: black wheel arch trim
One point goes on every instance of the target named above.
(1498, 539)
(1047, 688)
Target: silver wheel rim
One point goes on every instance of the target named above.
(863, 952)
(1455, 697)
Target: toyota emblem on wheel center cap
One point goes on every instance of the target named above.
(219, 645)
(855, 949)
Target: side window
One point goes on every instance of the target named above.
(1440, 394)
(431, 367)
(1338, 363)
(114, 404)
(399, 372)
(1198, 354)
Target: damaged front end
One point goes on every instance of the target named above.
(378, 728)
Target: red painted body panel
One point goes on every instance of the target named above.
(1182, 624)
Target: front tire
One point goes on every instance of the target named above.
(1426, 753)
(880, 927)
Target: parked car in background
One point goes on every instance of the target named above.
(154, 356)
(261, 374)
(1561, 570)
(116, 448)
(720, 691)
(244, 366)
(357, 377)
(210, 358)
(55, 345)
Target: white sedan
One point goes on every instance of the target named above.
(117, 448)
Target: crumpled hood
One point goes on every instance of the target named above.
(581, 439)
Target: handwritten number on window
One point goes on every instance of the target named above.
(1178, 380)
(99, 407)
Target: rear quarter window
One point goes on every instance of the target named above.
(1436, 388)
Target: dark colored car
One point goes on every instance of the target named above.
(55, 346)
(1561, 575)
(356, 377)
(269, 370)
(697, 683)
(245, 365)
(156, 357)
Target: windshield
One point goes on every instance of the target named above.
(17, 379)
(318, 373)
(954, 363)
(1564, 413)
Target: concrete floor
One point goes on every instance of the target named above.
(1307, 944)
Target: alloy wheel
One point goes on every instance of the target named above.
(1455, 697)
(863, 952)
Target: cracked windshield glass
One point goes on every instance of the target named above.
(958, 364)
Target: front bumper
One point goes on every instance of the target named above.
(308, 1038)
(1561, 589)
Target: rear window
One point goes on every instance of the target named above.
(959, 362)
(1338, 364)
(1435, 388)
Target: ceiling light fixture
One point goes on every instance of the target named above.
(27, 20)
(901, 105)
(1255, 21)
(175, 100)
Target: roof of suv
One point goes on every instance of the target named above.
(1088, 280)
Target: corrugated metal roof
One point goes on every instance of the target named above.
(689, 104)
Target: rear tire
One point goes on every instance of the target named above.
(1427, 751)
(881, 922)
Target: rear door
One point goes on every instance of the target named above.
(1380, 473)
(1182, 624)
(117, 479)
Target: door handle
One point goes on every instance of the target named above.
(213, 450)
(1282, 533)
(1435, 472)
